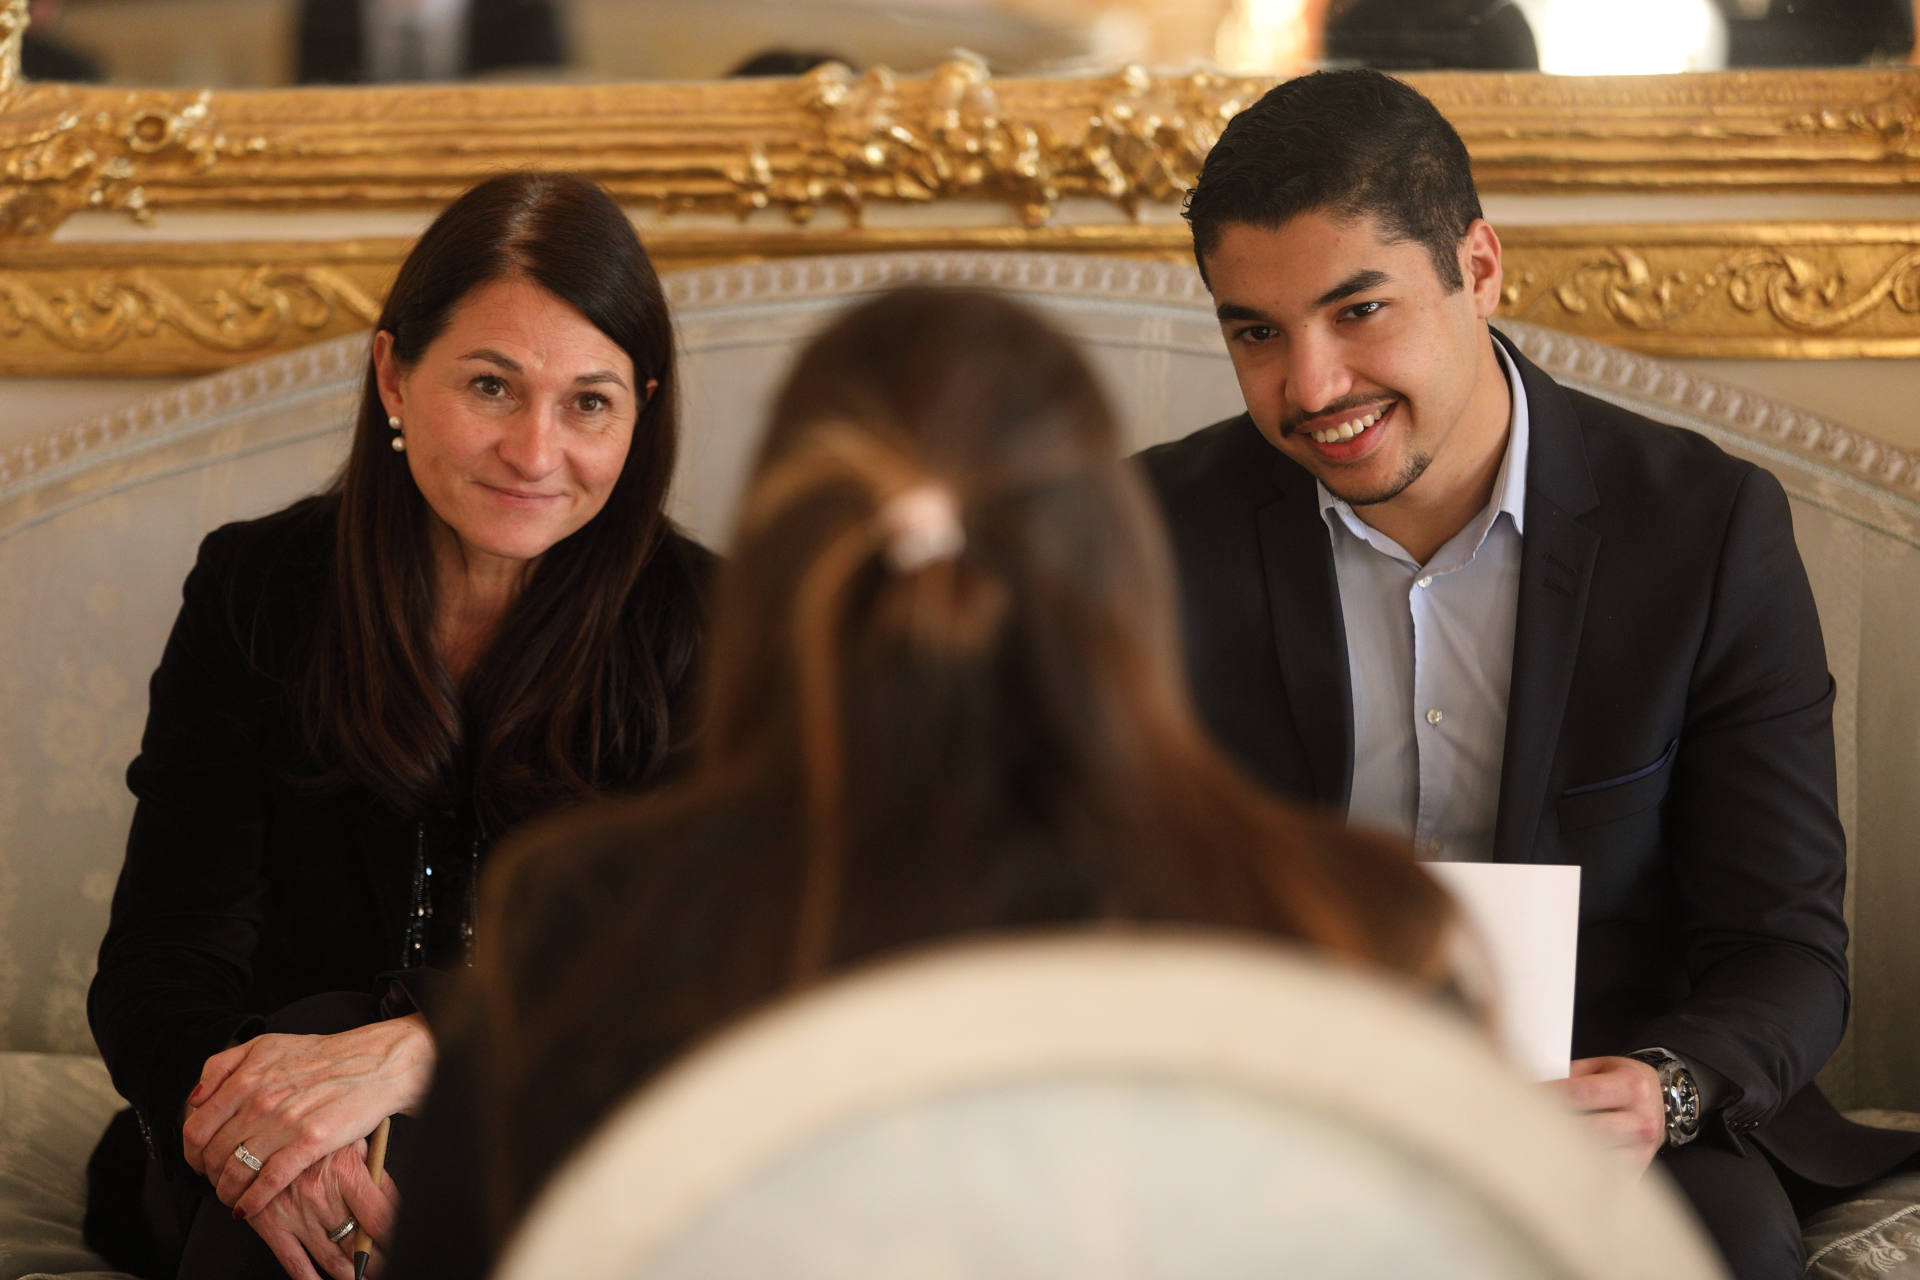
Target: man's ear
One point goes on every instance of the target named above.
(386, 375)
(1480, 267)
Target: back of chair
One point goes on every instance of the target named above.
(1134, 1107)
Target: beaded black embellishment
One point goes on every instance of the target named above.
(472, 904)
(421, 913)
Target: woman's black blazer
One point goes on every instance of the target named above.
(243, 889)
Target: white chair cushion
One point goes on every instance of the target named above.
(52, 1110)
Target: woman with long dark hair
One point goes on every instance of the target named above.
(488, 616)
(944, 698)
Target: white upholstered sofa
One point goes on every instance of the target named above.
(99, 522)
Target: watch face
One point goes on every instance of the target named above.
(1678, 1095)
(1683, 1102)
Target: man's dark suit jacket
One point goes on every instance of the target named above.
(1669, 730)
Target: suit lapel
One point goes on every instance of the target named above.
(1556, 568)
(1310, 639)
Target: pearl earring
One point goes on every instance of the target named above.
(399, 441)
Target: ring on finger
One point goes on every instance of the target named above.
(246, 1157)
(341, 1232)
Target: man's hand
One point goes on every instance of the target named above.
(1620, 1098)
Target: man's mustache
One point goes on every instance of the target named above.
(1293, 423)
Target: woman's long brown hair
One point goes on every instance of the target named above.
(575, 691)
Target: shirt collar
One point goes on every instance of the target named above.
(1509, 484)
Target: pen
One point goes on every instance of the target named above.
(376, 1169)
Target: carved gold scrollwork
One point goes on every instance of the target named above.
(1726, 291)
(13, 25)
(1780, 290)
(1141, 139)
(1894, 122)
(834, 140)
(265, 307)
(190, 316)
(1799, 294)
(1791, 287)
(102, 158)
(268, 304)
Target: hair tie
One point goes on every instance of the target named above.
(922, 525)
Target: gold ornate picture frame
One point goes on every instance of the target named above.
(836, 161)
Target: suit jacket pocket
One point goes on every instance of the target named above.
(1594, 803)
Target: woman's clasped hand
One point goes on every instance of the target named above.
(292, 1101)
(310, 1225)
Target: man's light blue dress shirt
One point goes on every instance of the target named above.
(1430, 652)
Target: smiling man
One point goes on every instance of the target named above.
(1424, 583)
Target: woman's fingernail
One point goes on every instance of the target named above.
(239, 1214)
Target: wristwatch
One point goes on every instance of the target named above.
(1677, 1091)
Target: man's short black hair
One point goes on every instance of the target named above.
(1346, 143)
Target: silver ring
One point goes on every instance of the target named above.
(246, 1157)
(342, 1231)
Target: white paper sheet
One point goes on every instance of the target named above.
(1527, 916)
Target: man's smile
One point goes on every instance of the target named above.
(1350, 435)
(1350, 428)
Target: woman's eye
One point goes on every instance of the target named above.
(594, 402)
(489, 386)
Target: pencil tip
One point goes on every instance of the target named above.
(360, 1259)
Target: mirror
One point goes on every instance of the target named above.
(243, 44)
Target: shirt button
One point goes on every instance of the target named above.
(1432, 848)
(1425, 582)
(1434, 716)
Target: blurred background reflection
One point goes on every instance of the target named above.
(261, 43)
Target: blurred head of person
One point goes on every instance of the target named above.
(517, 430)
(949, 636)
(781, 61)
(1431, 35)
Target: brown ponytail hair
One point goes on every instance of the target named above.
(1001, 733)
(943, 697)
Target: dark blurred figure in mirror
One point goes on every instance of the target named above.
(1818, 33)
(1431, 35)
(786, 62)
(384, 41)
(44, 57)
